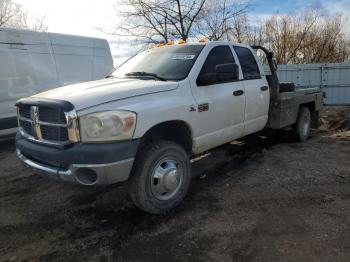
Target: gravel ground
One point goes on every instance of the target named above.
(263, 201)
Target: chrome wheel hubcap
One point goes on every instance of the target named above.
(166, 179)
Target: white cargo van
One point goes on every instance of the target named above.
(33, 62)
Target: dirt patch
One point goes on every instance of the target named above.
(335, 118)
(266, 200)
(335, 121)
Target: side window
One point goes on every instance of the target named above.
(248, 63)
(219, 67)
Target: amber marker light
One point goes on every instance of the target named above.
(202, 39)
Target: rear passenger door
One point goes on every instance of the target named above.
(256, 90)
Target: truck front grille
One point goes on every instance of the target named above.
(27, 127)
(24, 111)
(43, 124)
(54, 133)
(52, 115)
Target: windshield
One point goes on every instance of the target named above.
(165, 63)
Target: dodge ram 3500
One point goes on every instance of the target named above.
(143, 123)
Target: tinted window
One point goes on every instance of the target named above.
(248, 63)
(168, 62)
(218, 56)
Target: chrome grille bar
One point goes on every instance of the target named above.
(34, 114)
(73, 126)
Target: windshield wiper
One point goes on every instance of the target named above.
(146, 74)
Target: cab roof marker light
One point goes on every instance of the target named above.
(181, 42)
(202, 39)
(160, 44)
(170, 42)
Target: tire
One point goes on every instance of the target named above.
(160, 177)
(301, 130)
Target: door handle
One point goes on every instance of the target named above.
(238, 93)
(264, 88)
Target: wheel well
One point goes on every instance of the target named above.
(176, 131)
(310, 105)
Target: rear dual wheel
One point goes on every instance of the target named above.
(301, 130)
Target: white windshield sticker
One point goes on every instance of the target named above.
(183, 57)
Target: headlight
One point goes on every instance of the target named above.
(107, 126)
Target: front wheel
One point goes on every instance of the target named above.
(301, 129)
(161, 176)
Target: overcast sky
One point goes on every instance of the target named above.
(83, 17)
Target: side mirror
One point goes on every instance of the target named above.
(227, 72)
(206, 79)
(223, 73)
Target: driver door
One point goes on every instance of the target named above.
(220, 102)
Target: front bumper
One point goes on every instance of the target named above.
(84, 164)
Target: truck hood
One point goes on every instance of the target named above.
(93, 93)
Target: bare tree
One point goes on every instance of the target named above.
(13, 15)
(242, 31)
(306, 38)
(219, 18)
(285, 35)
(142, 20)
(158, 20)
(327, 44)
(184, 15)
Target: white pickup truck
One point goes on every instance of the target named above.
(143, 123)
